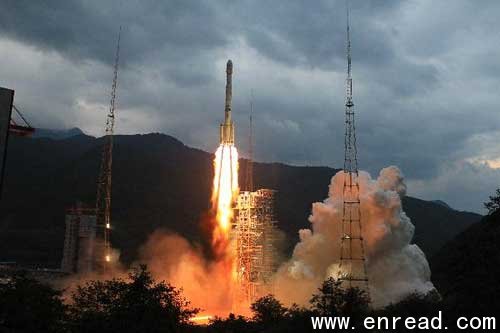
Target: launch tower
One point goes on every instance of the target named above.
(255, 234)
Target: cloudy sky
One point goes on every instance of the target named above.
(426, 79)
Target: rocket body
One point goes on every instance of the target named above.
(227, 128)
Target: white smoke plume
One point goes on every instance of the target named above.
(395, 267)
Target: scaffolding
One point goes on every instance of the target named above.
(255, 236)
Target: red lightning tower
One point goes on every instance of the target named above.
(103, 201)
(352, 268)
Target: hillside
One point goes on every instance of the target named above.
(435, 224)
(158, 182)
(466, 270)
(57, 134)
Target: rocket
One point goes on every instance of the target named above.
(227, 128)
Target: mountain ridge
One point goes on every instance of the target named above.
(466, 269)
(57, 134)
(158, 182)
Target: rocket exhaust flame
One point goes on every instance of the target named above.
(210, 283)
(224, 193)
(225, 190)
(201, 320)
(225, 186)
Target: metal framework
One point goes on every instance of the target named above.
(103, 201)
(8, 126)
(255, 234)
(20, 130)
(352, 268)
(249, 169)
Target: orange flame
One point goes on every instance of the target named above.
(201, 320)
(209, 283)
(225, 191)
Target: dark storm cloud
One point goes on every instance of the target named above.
(299, 33)
(175, 31)
(305, 33)
(425, 76)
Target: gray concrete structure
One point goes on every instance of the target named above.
(6, 100)
(80, 243)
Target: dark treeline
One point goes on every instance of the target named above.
(140, 304)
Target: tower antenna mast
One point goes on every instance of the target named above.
(249, 175)
(352, 268)
(103, 202)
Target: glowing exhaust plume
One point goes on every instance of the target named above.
(210, 284)
(201, 320)
(225, 187)
(225, 191)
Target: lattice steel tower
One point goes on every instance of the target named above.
(103, 201)
(352, 268)
(249, 170)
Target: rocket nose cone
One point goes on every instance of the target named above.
(229, 67)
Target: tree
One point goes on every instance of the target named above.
(270, 316)
(231, 324)
(329, 297)
(268, 309)
(298, 319)
(415, 305)
(494, 204)
(26, 305)
(138, 305)
(333, 300)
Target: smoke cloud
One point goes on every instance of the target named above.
(395, 267)
(208, 284)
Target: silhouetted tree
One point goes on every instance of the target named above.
(138, 305)
(414, 305)
(26, 305)
(270, 316)
(494, 204)
(267, 310)
(298, 319)
(333, 300)
(327, 301)
(231, 324)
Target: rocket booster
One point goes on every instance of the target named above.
(227, 128)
